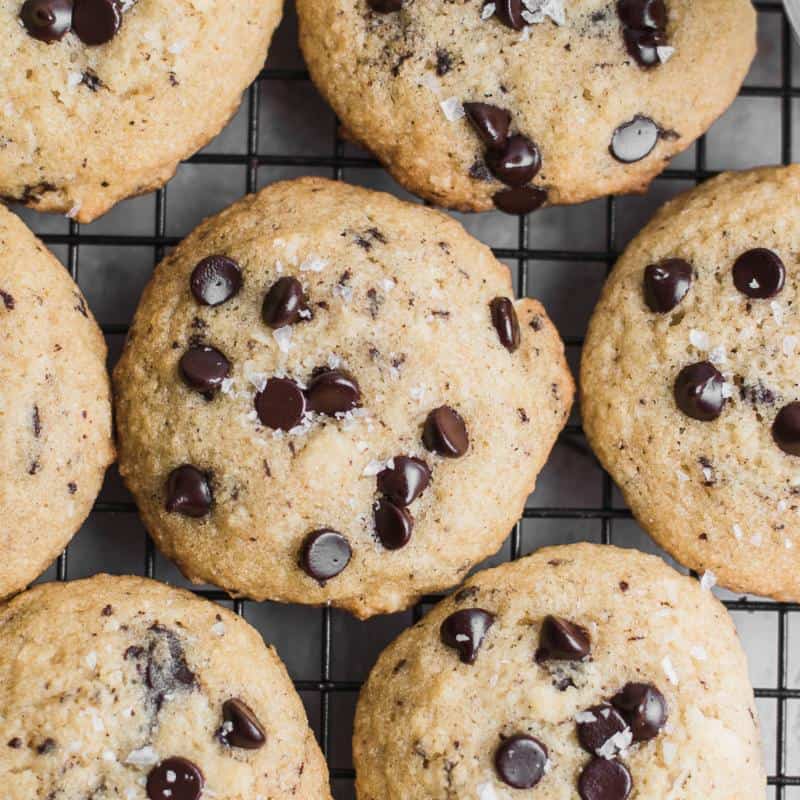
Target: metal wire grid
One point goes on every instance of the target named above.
(524, 257)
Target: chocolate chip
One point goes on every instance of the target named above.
(215, 279)
(283, 303)
(759, 273)
(490, 122)
(393, 524)
(516, 162)
(562, 640)
(188, 492)
(204, 368)
(15, 743)
(699, 391)
(404, 482)
(241, 727)
(605, 779)
(325, 553)
(465, 630)
(521, 200)
(643, 14)
(643, 46)
(666, 284)
(644, 709)
(594, 733)
(175, 779)
(786, 429)
(504, 319)
(385, 6)
(47, 20)
(281, 404)
(509, 12)
(520, 761)
(333, 392)
(634, 140)
(445, 433)
(96, 22)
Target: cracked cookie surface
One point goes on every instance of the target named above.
(602, 674)
(121, 687)
(514, 103)
(689, 381)
(328, 395)
(94, 113)
(55, 406)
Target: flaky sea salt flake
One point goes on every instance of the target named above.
(708, 580)
(452, 109)
(669, 671)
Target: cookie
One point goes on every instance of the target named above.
(55, 406)
(101, 99)
(121, 687)
(329, 396)
(581, 671)
(689, 380)
(512, 104)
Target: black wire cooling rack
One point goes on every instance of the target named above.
(525, 259)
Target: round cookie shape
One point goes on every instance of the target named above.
(353, 453)
(55, 406)
(513, 104)
(104, 98)
(124, 687)
(661, 708)
(692, 405)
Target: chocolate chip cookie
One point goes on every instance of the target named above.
(689, 379)
(330, 396)
(512, 104)
(581, 671)
(55, 406)
(118, 687)
(100, 99)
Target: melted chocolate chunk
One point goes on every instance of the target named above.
(594, 733)
(281, 404)
(175, 779)
(188, 492)
(490, 122)
(521, 200)
(759, 273)
(166, 671)
(666, 284)
(215, 279)
(465, 630)
(325, 553)
(509, 12)
(204, 368)
(643, 708)
(385, 6)
(632, 141)
(283, 303)
(333, 392)
(562, 640)
(699, 391)
(520, 761)
(643, 14)
(605, 779)
(95, 22)
(393, 524)
(786, 429)
(445, 433)
(504, 319)
(405, 481)
(516, 163)
(240, 727)
(47, 20)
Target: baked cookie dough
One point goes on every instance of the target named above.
(100, 99)
(516, 103)
(55, 406)
(582, 671)
(121, 687)
(690, 385)
(329, 396)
